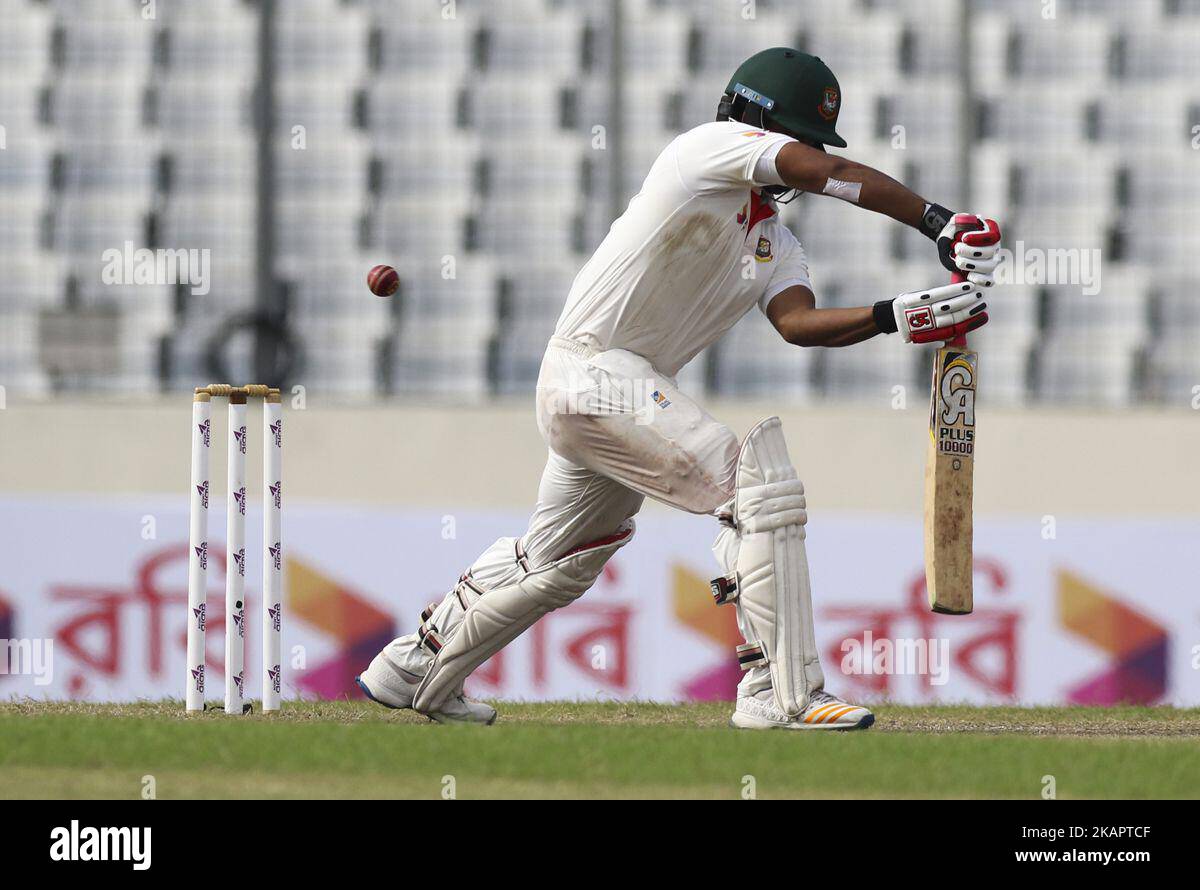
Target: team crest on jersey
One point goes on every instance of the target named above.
(762, 253)
(829, 104)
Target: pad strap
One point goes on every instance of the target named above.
(430, 638)
(751, 655)
(725, 589)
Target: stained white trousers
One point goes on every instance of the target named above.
(617, 431)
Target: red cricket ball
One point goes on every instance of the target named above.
(383, 281)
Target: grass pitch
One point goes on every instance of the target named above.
(591, 750)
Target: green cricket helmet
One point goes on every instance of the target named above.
(792, 90)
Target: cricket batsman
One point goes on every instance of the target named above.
(666, 282)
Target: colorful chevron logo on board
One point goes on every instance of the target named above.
(693, 606)
(358, 626)
(1137, 644)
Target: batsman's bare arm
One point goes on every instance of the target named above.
(794, 313)
(811, 170)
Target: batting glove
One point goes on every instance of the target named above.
(970, 244)
(941, 313)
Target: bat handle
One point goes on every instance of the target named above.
(961, 340)
(958, 278)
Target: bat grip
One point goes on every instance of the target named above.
(961, 340)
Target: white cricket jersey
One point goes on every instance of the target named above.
(694, 251)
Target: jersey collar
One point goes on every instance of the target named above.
(760, 208)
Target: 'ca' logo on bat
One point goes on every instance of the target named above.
(957, 392)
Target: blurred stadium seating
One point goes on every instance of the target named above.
(479, 148)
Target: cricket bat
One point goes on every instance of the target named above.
(949, 484)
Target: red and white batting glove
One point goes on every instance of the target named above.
(970, 244)
(940, 313)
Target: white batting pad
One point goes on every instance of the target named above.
(498, 616)
(773, 597)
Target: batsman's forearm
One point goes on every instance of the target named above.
(879, 192)
(810, 170)
(829, 327)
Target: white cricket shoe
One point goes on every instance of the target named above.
(394, 687)
(824, 711)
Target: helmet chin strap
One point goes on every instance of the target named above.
(782, 194)
(753, 111)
